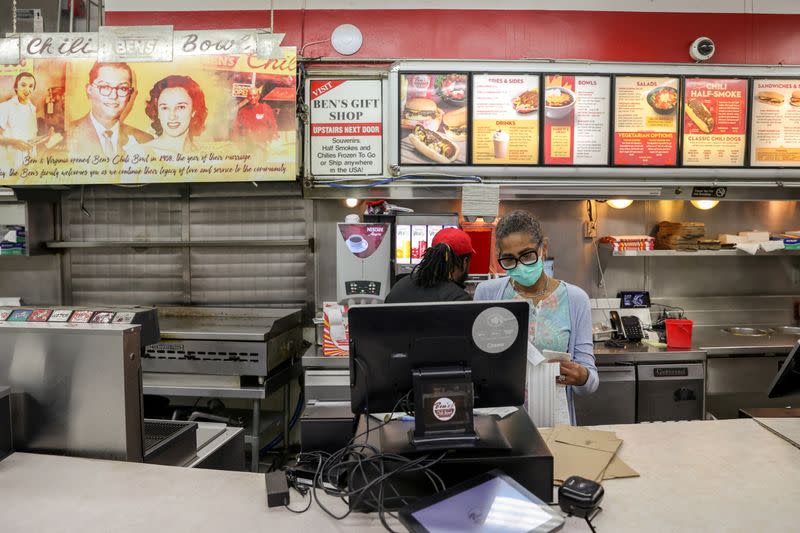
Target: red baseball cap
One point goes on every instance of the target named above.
(456, 239)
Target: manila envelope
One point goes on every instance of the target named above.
(587, 453)
(584, 454)
(617, 468)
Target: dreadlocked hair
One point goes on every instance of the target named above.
(436, 266)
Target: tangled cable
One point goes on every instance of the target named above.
(370, 475)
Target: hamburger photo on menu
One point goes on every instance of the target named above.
(433, 119)
(771, 97)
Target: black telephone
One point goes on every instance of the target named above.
(627, 327)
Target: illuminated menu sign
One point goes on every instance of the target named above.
(505, 119)
(576, 119)
(645, 121)
(434, 127)
(714, 122)
(775, 136)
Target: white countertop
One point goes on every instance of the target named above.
(730, 475)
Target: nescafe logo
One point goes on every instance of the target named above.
(444, 409)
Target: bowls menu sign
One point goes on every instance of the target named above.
(433, 119)
(714, 122)
(577, 119)
(646, 121)
(505, 119)
(775, 136)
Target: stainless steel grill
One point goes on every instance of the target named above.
(224, 341)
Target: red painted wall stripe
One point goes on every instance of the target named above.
(598, 35)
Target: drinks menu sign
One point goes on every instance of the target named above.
(714, 122)
(645, 121)
(576, 120)
(505, 119)
(775, 137)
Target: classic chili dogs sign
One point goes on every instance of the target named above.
(714, 122)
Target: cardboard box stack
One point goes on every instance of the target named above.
(679, 235)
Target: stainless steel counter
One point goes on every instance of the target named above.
(705, 476)
(707, 341)
(714, 341)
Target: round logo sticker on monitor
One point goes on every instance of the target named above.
(495, 329)
(444, 409)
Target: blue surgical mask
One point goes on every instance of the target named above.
(527, 275)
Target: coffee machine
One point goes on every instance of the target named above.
(363, 257)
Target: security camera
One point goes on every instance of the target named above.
(702, 49)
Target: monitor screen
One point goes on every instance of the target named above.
(388, 342)
(787, 381)
(493, 506)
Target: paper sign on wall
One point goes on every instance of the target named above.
(346, 127)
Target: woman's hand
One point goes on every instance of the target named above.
(572, 374)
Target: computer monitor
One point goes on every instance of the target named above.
(446, 358)
(787, 381)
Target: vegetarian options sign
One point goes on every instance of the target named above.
(220, 118)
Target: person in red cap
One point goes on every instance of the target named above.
(441, 274)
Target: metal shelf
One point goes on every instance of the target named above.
(61, 245)
(698, 253)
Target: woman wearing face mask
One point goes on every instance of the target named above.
(440, 276)
(560, 315)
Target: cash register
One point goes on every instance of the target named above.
(440, 361)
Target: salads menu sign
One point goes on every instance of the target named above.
(433, 119)
(775, 137)
(576, 119)
(505, 119)
(645, 121)
(714, 122)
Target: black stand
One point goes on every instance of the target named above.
(529, 461)
(443, 403)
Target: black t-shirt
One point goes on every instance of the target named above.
(407, 291)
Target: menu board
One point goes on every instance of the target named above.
(645, 121)
(505, 119)
(576, 119)
(714, 122)
(775, 137)
(433, 119)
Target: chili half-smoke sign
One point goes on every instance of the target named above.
(346, 128)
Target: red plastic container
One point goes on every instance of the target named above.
(679, 333)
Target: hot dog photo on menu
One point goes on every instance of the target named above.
(714, 122)
(433, 119)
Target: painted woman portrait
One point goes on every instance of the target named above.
(177, 109)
